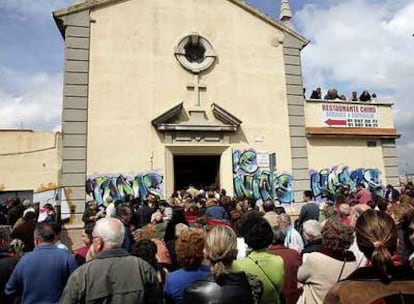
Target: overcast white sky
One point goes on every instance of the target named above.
(355, 45)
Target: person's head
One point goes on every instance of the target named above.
(45, 233)
(244, 223)
(408, 227)
(319, 90)
(337, 236)
(179, 228)
(250, 203)
(260, 234)
(149, 231)
(26, 203)
(5, 237)
(356, 212)
(346, 189)
(307, 195)
(340, 199)
(189, 248)
(354, 94)
(268, 206)
(108, 233)
(124, 213)
(151, 197)
(312, 230)
(156, 217)
(201, 203)
(221, 249)
(360, 186)
(376, 235)
(146, 250)
(285, 220)
(382, 204)
(49, 208)
(279, 210)
(279, 236)
(92, 205)
(57, 228)
(398, 211)
(343, 209)
(29, 214)
(13, 202)
(87, 237)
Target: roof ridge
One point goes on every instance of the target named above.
(88, 4)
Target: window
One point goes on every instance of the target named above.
(195, 53)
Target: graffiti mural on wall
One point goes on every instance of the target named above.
(250, 180)
(120, 187)
(327, 181)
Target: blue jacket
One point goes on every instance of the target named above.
(41, 275)
(217, 212)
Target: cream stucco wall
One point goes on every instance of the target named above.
(29, 160)
(326, 153)
(134, 77)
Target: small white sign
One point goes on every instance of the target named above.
(263, 160)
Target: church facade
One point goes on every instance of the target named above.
(160, 94)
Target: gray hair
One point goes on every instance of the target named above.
(111, 230)
(180, 227)
(312, 229)
(279, 236)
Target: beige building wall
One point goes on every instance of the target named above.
(354, 153)
(29, 160)
(134, 77)
(349, 146)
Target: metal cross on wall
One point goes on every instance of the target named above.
(197, 87)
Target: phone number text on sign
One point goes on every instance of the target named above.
(350, 116)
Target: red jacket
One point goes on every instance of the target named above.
(292, 260)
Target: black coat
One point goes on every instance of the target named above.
(229, 289)
(7, 264)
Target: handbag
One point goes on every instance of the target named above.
(342, 270)
(279, 293)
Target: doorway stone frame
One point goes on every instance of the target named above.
(224, 151)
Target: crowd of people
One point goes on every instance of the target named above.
(202, 246)
(332, 94)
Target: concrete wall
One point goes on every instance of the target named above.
(134, 77)
(326, 153)
(353, 152)
(29, 160)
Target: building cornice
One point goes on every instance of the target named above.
(324, 132)
(92, 4)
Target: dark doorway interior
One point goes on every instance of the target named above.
(198, 170)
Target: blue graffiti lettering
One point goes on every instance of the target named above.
(250, 181)
(106, 188)
(326, 182)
